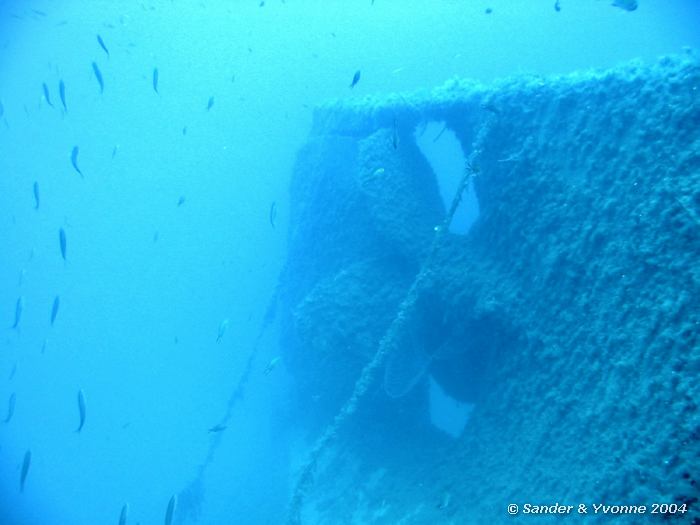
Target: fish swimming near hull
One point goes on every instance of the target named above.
(98, 76)
(355, 79)
(222, 330)
(102, 44)
(54, 308)
(10, 408)
(627, 5)
(74, 160)
(62, 94)
(155, 79)
(26, 463)
(81, 410)
(395, 136)
(46, 94)
(19, 308)
(170, 511)
(36, 195)
(273, 214)
(62, 242)
(272, 365)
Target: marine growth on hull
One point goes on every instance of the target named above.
(469, 303)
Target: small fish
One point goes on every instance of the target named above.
(557, 6)
(54, 309)
(210, 103)
(10, 408)
(98, 76)
(125, 509)
(355, 79)
(43, 346)
(273, 214)
(395, 136)
(170, 512)
(13, 371)
(25, 469)
(102, 44)
(36, 195)
(46, 94)
(2, 109)
(19, 307)
(488, 11)
(627, 5)
(114, 150)
(74, 160)
(181, 201)
(218, 428)
(156, 235)
(62, 94)
(81, 409)
(62, 242)
(222, 330)
(272, 365)
(155, 79)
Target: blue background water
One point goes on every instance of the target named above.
(146, 282)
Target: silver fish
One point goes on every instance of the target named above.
(62, 242)
(10, 408)
(355, 79)
(19, 307)
(102, 44)
(272, 365)
(81, 409)
(36, 195)
(170, 512)
(74, 160)
(54, 309)
(25, 469)
(395, 136)
(273, 214)
(46, 94)
(222, 330)
(627, 5)
(124, 514)
(62, 94)
(155, 79)
(98, 76)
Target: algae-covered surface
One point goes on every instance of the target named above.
(568, 316)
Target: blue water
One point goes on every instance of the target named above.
(168, 230)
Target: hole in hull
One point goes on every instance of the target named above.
(442, 149)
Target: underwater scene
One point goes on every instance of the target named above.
(349, 262)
